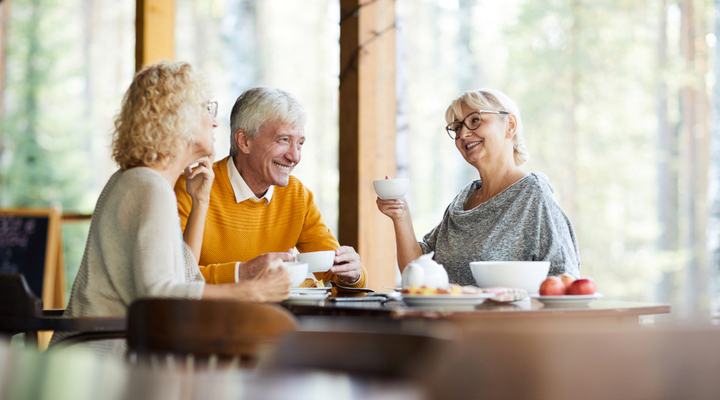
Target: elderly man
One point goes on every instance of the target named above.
(256, 206)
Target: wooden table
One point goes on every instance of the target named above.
(489, 315)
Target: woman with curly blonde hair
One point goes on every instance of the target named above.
(135, 247)
(506, 215)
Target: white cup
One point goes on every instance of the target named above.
(298, 271)
(391, 189)
(318, 261)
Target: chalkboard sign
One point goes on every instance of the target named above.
(30, 245)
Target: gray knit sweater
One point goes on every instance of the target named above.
(134, 250)
(523, 222)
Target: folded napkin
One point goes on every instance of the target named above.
(505, 294)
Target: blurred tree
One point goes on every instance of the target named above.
(714, 175)
(4, 18)
(469, 72)
(579, 71)
(667, 148)
(694, 131)
(48, 109)
(40, 166)
(240, 32)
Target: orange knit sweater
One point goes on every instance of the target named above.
(241, 231)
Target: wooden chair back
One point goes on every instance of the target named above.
(203, 328)
(18, 304)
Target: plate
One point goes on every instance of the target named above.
(307, 297)
(567, 301)
(306, 290)
(445, 300)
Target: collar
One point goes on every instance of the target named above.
(241, 189)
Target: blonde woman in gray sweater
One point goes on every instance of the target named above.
(506, 215)
(135, 247)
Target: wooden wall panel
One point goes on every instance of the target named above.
(154, 32)
(367, 132)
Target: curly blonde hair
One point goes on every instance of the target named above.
(160, 111)
(492, 100)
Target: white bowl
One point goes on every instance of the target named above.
(391, 189)
(298, 271)
(318, 261)
(527, 275)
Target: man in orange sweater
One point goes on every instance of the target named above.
(256, 206)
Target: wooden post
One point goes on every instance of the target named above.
(154, 32)
(367, 132)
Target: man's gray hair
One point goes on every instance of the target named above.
(260, 105)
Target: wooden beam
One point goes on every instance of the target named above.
(154, 32)
(367, 132)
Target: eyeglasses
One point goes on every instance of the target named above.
(471, 121)
(212, 108)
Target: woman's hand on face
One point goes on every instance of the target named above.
(198, 181)
(397, 209)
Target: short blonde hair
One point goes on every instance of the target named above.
(160, 112)
(492, 100)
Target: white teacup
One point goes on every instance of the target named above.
(391, 189)
(298, 272)
(318, 261)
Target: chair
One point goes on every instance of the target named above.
(229, 330)
(18, 306)
(21, 312)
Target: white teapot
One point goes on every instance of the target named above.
(424, 271)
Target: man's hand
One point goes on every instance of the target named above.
(347, 264)
(259, 266)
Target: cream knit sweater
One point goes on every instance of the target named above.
(134, 250)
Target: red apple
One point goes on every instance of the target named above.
(552, 286)
(567, 279)
(582, 286)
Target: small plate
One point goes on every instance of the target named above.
(307, 290)
(309, 297)
(567, 301)
(445, 300)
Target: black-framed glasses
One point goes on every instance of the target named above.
(212, 108)
(471, 121)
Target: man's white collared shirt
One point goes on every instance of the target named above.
(241, 189)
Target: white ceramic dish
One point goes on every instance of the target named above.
(526, 275)
(391, 189)
(318, 261)
(307, 297)
(567, 301)
(306, 290)
(298, 272)
(445, 300)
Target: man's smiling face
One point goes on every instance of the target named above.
(273, 154)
